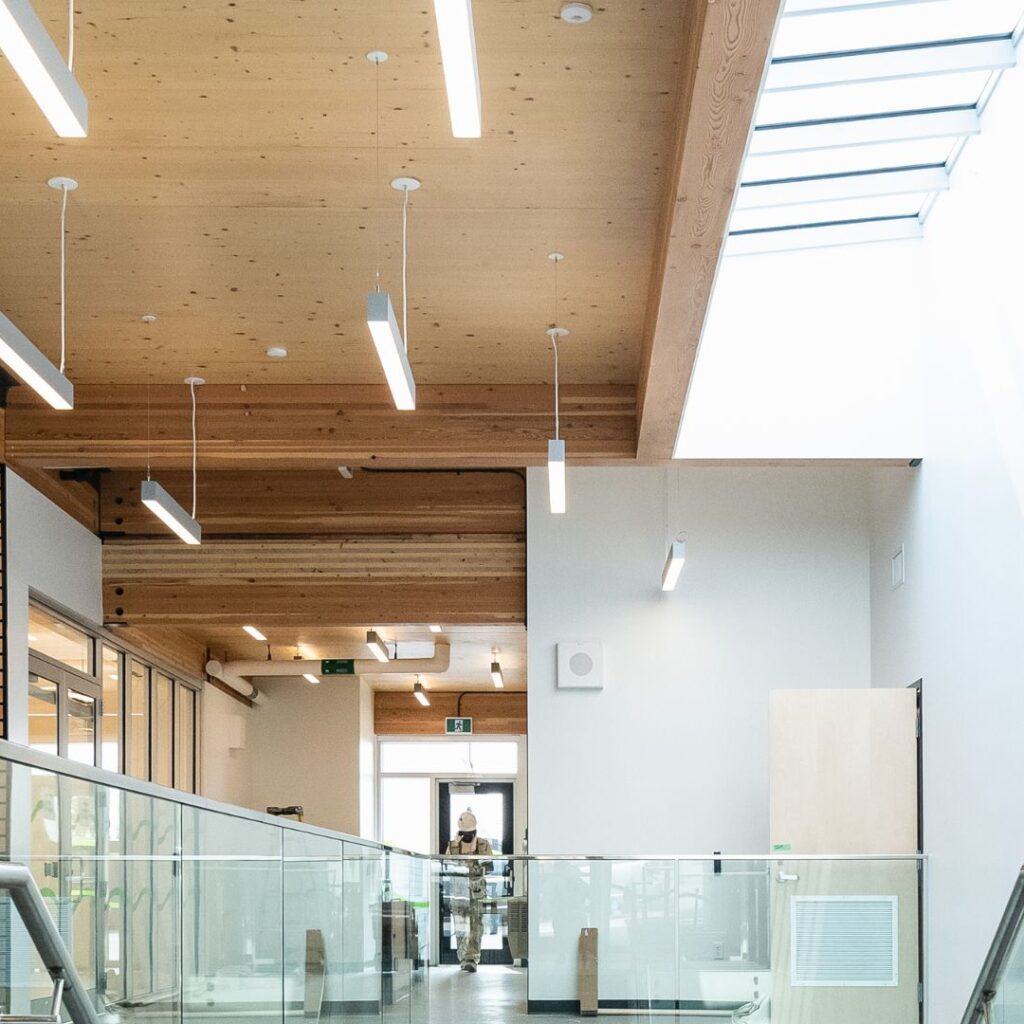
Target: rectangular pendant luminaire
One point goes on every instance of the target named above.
(421, 695)
(44, 72)
(673, 565)
(31, 367)
(556, 475)
(310, 678)
(496, 677)
(387, 339)
(458, 55)
(255, 634)
(378, 648)
(170, 513)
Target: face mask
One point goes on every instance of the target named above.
(467, 837)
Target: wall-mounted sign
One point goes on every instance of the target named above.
(338, 667)
(458, 726)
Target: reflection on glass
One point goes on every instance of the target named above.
(163, 729)
(184, 739)
(137, 729)
(54, 638)
(42, 714)
(81, 728)
(110, 733)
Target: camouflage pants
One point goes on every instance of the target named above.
(467, 919)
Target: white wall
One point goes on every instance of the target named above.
(798, 360)
(672, 756)
(57, 559)
(227, 762)
(958, 622)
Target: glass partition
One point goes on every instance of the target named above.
(177, 909)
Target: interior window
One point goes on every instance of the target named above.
(110, 734)
(42, 714)
(53, 637)
(81, 728)
(138, 722)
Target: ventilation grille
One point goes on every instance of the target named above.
(845, 940)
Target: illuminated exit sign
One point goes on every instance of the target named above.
(458, 726)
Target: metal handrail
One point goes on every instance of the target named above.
(67, 986)
(979, 1009)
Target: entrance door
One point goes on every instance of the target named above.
(492, 803)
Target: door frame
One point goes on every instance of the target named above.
(442, 804)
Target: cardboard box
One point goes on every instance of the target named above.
(587, 971)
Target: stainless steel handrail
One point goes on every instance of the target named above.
(25, 756)
(18, 881)
(979, 1009)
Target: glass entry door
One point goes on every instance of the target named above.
(492, 803)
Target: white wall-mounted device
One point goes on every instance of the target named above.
(581, 666)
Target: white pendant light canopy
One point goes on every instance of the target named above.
(31, 367)
(378, 648)
(387, 339)
(673, 565)
(461, 75)
(170, 513)
(44, 72)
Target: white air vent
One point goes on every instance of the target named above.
(845, 941)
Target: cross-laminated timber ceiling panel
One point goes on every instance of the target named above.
(230, 184)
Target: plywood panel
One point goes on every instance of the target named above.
(844, 771)
(396, 714)
(170, 648)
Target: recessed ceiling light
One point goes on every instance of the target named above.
(277, 352)
(576, 13)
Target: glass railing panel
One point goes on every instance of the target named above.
(362, 878)
(232, 912)
(724, 939)
(314, 934)
(1008, 1005)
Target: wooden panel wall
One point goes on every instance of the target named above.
(310, 548)
(400, 714)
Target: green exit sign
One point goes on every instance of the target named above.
(459, 726)
(338, 667)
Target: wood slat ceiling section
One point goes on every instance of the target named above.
(400, 714)
(295, 426)
(230, 185)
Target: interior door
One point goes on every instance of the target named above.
(844, 780)
(492, 803)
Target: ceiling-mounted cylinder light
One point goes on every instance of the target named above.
(420, 694)
(496, 677)
(170, 513)
(461, 75)
(44, 72)
(378, 648)
(31, 367)
(673, 565)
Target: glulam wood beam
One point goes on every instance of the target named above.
(400, 714)
(720, 77)
(321, 426)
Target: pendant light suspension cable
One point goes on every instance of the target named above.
(405, 269)
(554, 348)
(192, 381)
(63, 277)
(71, 35)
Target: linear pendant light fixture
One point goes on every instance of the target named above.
(420, 694)
(496, 677)
(162, 505)
(378, 648)
(673, 565)
(556, 446)
(37, 62)
(31, 367)
(461, 75)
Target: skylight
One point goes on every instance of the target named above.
(865, 109)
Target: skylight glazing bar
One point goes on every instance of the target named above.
(823, 188)
(884, 63)
(830, 133)
(819, 236)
